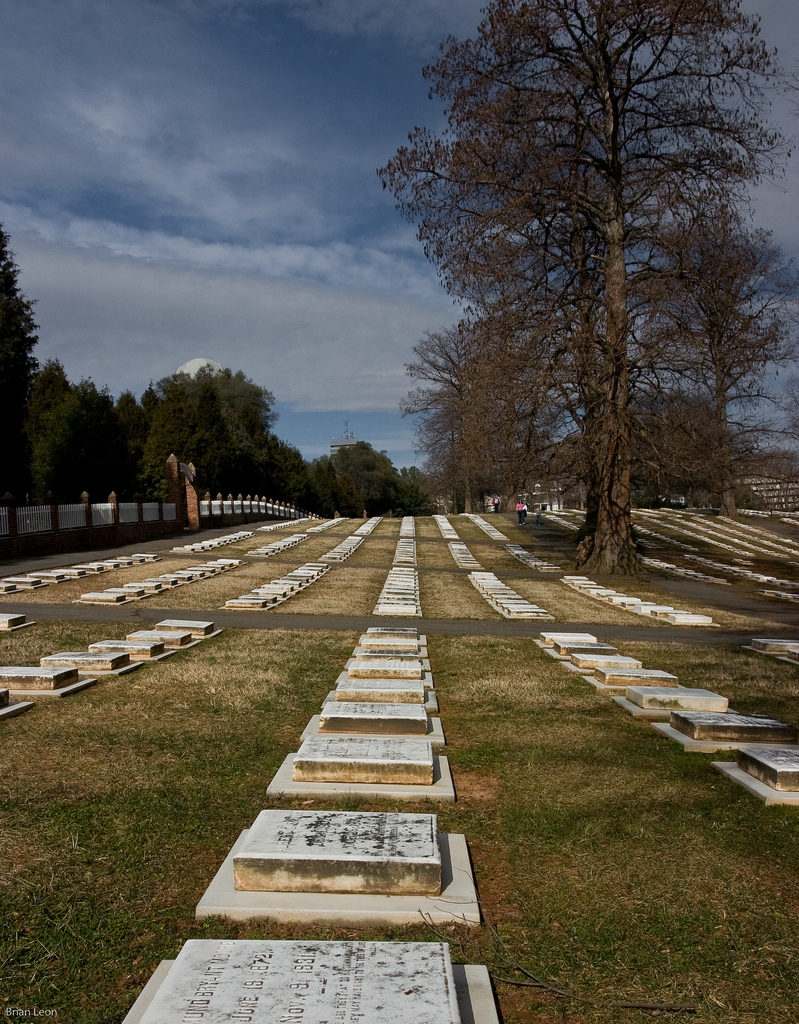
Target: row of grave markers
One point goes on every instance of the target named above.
(663, 612)
(736, 538)
(212, 543)
(66, 673)
(278, 546)
(61, 574)
(499, 595)
(373, 737)
(139, 590)
(698, 719)
(400, 593)
(275, 592)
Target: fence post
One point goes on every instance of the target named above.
(87, 508)
(173, 481)
(192, 501)
(54, 526)
(113, 500)
(139, 507)
(9, 501)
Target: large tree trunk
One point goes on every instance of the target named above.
(729, 507)
(614, 548)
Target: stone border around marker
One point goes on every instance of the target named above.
(16, 707)
(457, 902)
(769, 796)
(64, 691)
(442, 790)
(435, 732)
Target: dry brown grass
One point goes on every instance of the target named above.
(107, 736)
(374, 551)
(426, 528)
(446, 595)
(432, 555)
(387, 528)
(27, 646)
(345, 590)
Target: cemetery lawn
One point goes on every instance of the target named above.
(353, 591)
(450, 595)
(608, 861)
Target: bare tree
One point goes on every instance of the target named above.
(482, 420)
(724, 325)
(584, 127)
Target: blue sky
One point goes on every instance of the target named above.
(189, 178)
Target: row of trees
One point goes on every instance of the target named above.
(64, 437)
(587, 207)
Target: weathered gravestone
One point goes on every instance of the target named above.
(267, 981)
(364, 760)
(340, 851)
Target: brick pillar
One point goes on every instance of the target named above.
(172, 467)
(10, 502)
(192, 501)
(87, 508)
(53, 511)
(113, 500)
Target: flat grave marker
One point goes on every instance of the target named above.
(137, 650)
(384, 668)
(383, 691)
(168, 638)
(709, 731)
(94, 661)
(10, 622)
(266, 981)
(624, 677)
(340, 851)
(657, 702)
(769, 773)
(373, 718)
(196, 628)
(367, 759)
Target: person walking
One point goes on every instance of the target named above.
(538, 515)
(521, 509)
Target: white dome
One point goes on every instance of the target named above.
(193, 366)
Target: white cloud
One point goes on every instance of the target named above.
(123, 322)
(421, 23)
(394, 265)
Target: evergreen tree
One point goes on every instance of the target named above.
(17, 367)
(173, 430)
(81, 447)
(214, 450)
(135, 421)
(50, 387)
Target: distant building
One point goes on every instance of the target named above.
(346, 441)
(776, 495)
(193, 366)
